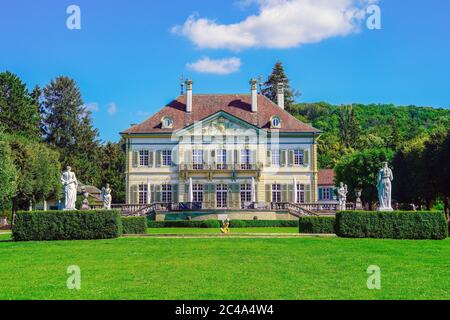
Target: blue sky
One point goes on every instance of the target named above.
(128, 53)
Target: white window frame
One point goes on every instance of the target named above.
(276, 159)
(143, 193)
(166, 193)
(326, 193)
(166, 158)
(276, 193)
(246, 159)
(221, 158)
(299, 157)
(246, 193)
(197, 190)
(144, 158)
(222, 196)
(301, 193)
(197, 159)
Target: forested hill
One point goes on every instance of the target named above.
(359, 127)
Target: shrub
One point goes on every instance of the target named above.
(391, 225)
(263, 223)
(323, 225)
(134, 225)
(184, 224)
(66, 225)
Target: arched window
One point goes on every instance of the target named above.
(167, 123)
(275, 122)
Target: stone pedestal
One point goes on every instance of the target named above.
(358, 203)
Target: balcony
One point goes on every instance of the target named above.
(219, 167)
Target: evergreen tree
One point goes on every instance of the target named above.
(349, 129)
(112, 166)
(8, 176)
(269, 90)
(18, 113)
(68, 126)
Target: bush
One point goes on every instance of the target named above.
(263, 223)
(322, 225)
(391, 225)
(185, 224)
(134, 225)
(66, 225)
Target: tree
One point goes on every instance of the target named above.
(443, 178)
(18, 114)
(349, 128)
(278, 75)
(359, 170)
(8, 173)
(68, 127)
(112, 166)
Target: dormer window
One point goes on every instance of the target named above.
(167, 123)
(275, 122)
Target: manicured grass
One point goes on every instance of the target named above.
(217, 231)
(225, 268)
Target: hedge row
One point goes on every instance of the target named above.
(263, 223)
(185, 224)
(391, 225)
(66, 225)
(321, 225)
(134, 225)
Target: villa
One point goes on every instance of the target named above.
(222, 151)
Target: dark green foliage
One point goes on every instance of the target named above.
(323, 225)
(278, 75)
(112, 168)
(8, 176)
(391, 225)
(134, 225)
(66, 225)
(263, 223)
(185, 224)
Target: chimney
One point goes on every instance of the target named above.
(189, 96)
(254, 84)
(280, 95)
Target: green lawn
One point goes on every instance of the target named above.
(225, 268)
(217, 231)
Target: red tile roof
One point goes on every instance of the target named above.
(238, 105)
(326, 177)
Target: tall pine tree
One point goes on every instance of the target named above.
(269, 90)
(68, 126)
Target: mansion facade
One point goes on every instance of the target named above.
(222, 151)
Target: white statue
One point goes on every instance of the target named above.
(342, 195)
(384, 187)
(85, 204)
(70, 185)
(106, 197)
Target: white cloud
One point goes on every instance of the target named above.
(218, 66)
(112, 108)
(278, 24)
(92, 107)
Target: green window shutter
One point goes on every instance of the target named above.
(186, 189)
(268, 193)
(174, 158)
(236, 188)
(320, 194)
(158, 193)
(229, 156)
(284, 193)
(158, 159)
(134, 194)
(282, 158)
(151, 158)
(235, 158)
(290, 192)
(206, 156)
(254, 159)
(291, 158)
(308, 194)
(306, 157)
(175, 193)
(135, 159)
(269, 158)
(151, 192)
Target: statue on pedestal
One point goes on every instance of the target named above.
(342, 195)
(358, 205)
(85, 204)
(70, 185)
(384, 187)
(225, 227)
(106, 197)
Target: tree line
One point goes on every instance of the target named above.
(41, 132)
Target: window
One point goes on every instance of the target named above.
(198, 192)
(299, 158)
(276, 157)
(167, 158)
(276, 122)
(300, 193)
(326, 194)
(143, 194)
(167, 123)
(246, 193)
(197, 159)
(143, 158)
(221, 159)
(221, 195)
(166, 193)
(276, 193)
(245, 159)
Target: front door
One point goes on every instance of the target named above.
(221, 195)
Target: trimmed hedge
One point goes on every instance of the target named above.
(66, 225)
(320, 225)
(185, 224)
(391, 225)
(134, 225)
(263, 223)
